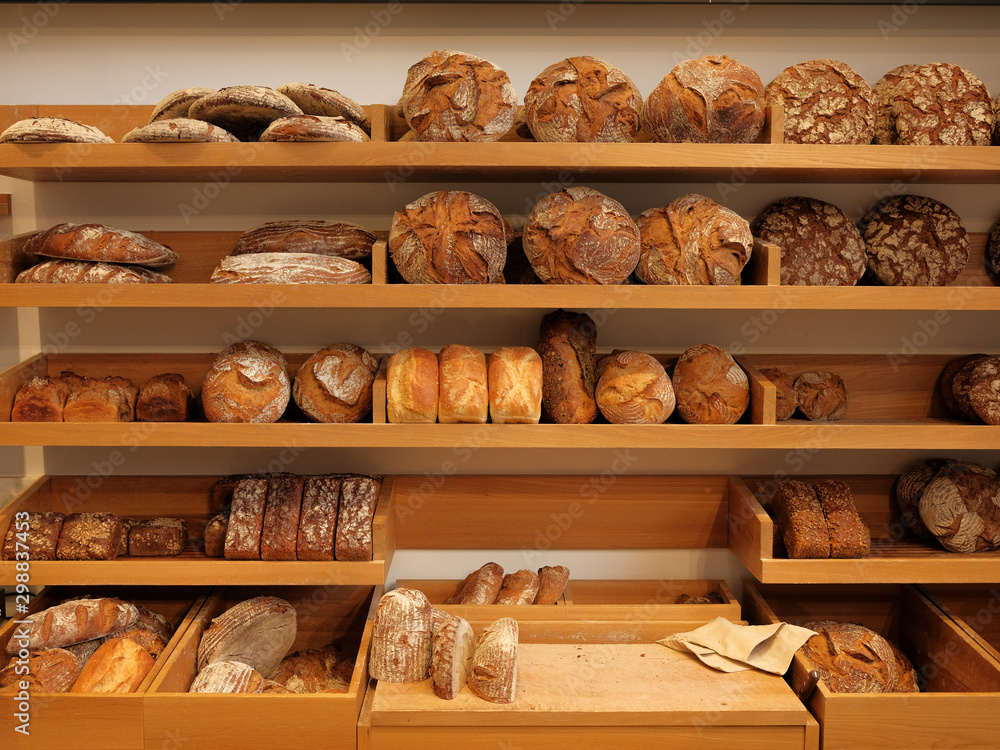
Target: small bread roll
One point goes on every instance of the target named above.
(335, 384)
(515, 384)
(634, 389)
(464, 392)
(412, 386)
(709, 386)
(247, 382)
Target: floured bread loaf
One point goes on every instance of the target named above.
(851, 658)
(712, 99)
(41, 399)
(289, 268)
(227, 676)
(358, 500)
(89, 272)
(635, 389)
(910, 488)
(99, 242)
(567, 345)
(89, 536)
(961, 380)
(785, 399)
(179, 130)
(335, 384)
(694, 240)
(984, 389)
(109, 399)
(247, 382)
(257, 632)
(960, 506)
(453, 648)
(493, 676)
(585, 100)
(53, 670)
(401, 637)
(313, 128)
(552, 582)
(709, 386)
(821, 396)
(885, 128)
(993, 241)
(518, 588)
(245, 111)
(318, 522)
(246, 519)
(452, 96)
(319, 236)
(316, 100)
(75, 621)
(480, 586)
(280, 529)
(319, 670)
(52, 130)
(515, 384)
(178, 103)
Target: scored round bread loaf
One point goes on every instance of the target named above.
(247, 382)
(319, 236)
(480, 586)
(984, 389)
(463, 386)
(163, 398)
(454, 645)
(227, 676)
(179, 130)
(52, 130)
(711, 99)
(960, 382)
(315, 128)
(289, 268)
(99, 242)
(785, 398)
(581, 236)
(118, 666)
(245, 111)
(824, 101)
(567, 345)
(821, 396)
(851, 658)
(335, 384)
(913, 240)
(910, 488)
(960, 506)
(518, 588)
(552, 580)
(257, 632)
(89, 272)
(316, 100)
(584, 100)
(412, 386)
(453, 96)
(946, 383)
(694, 240)
(53, 670)
(493, 675)
(820, 244)
(449, 237)
(634, 388)
(885, 129)
(710, 388)
(178, 103)
(401, 637)
(515, 378)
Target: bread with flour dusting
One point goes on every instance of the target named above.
(247, 382)
(709, 386)
(178, 103)
(335, 384)
(99, 242)
(257, 632)
(289, 268)
(493, 676)
(454, 646)
(401, 637)
(316, 100)
(179, 130)
(52, 130)
(319, 236)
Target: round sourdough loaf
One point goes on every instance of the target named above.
(401, 637)
(89, 272)
(910, 488)
(821, 396)
(52, 130)
(634, 389)
(581, 236)
(709, 386)
(694, 240)
(950, 391)
(178, 103)
(984, 389)
(228, 676)
(335, 384)
(785, 398)
(452, 96)
(824, 101)
(583, 100)
(316, 100)
(247, 382)
(313, 128)
(712, 99)
(245, 111)
(99, 242)
(257, 632)
(289, 268)
(179, 130)
(820, 244)
(319, 236)
(960, 506)
(940, 104)
(317, 670)
(851, 658)
(885, 129)
(960, 383)
(567, 345)
(913, 240)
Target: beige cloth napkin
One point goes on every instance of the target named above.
(730, 647)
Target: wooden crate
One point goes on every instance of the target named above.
(974, 607)
(236, 722)
(188, 497)
(897, 556)
(89, 721)
(956, 707)
(578, 688)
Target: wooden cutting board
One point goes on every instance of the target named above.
(602, 684)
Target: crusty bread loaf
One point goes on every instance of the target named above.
(580, 236)
(800, 519)
(851, 658)
(953, 390)
(785, 399)
(634, 388)
(316, 670)
(52, 130)
(318, 521)
(38, 537)
(89, 536)
(693, 240)
(449, 237)
(243, 110)
(143, 637)
(960, 387)
(41, 399)
(74, 622)
(567, 345)
(316, 100)
(412, 386)
(335, 384)
(179, 130)
(270, 686)
(453, 96)
(88, 272)
(401, 637)
(109, 399)
(318, 236)
(247, 382)
(709, 386)
(960, 506)
(712, 99)
(164, 398)
(227, 676)
(158, 537)
(289, 268)
(280, 529)
(313, 128)
(257, 632)
(99, 242)
(454, 645)
(154, 622)
(821, 396)
(493, 676)
(462, 385)
(849, 534)
(215, 535)
(552, 582)
(53, 670)
(909, 488)
(518, 588)
(127, 523)
(246, 520)
(358, 500)
(178, 103)
(480, 586)
(984, 389)
(584, 100)
(515, 384)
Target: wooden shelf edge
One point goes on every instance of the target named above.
(945, 567)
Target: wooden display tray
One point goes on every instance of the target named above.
(960, 681)
(190, 498)
(236, 722)
(90, 721)
(973, 607)
(577, 689)
(598, 600)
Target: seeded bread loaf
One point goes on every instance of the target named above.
(38, 538)
(849, 534)
(89, 536)
(158, 537)
(801, 521)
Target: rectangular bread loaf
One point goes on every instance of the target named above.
(215, 535)
(358, 498)
(318, 521)
(849, 535)
(800, 520)
(246, 520)
(89, 536)
(158, 537)
(281, 517)
(39, 540)
(41, 399)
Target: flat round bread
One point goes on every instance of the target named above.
(313, 128)
(178, 103)
(245, 111)
(52, 130)
(316, 100)
(179, 130)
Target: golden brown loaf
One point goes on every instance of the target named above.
(785, 399)
(567, 345)
(634, 389)
(52, 130)
(164, 398)
(280, 528)
(247, 382)
(821, 396)
(118, 666)
(53, 670)
(580, 236)
(75, 621)
(38, 539)
(243, 110)
(154, 621)
(552, 582)
(453, 96)
(109, 399)
(712, 99)
(41, 399)
(318, 670)
(401, 637)
(99, 242)
(335, 384)
(851, 658)
(227, 676)
(354, 536)
(179, 130)
(800, 519)
(246, 519)
(518, 588)
(453, 648)
(158, 537)
(449, 237)
(411, 386)
(493, 676)
(316, 100)
(152, 643)
(89, 272)
(694, 240)
(709, 386)
(318, 521)
(983, 388)
(313, 128)
(257, 632)
(178, 103)
(480, 586)
(515, 383)
(584, 100)
(89, 536)
(289, 268)
(319, 236)
(849, 534)
(462, 385)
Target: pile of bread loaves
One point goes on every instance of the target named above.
(102, 645)
(49, 535)
(490, 585)
(413, 640)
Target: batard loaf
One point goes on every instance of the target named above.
(257, 632)
(518, 588)
(315, 128)
(74, 621)
(245, 111)
(515, 384)
(462, 385)
(453, 649)
(246, 382)
(289, 268)
(709, 386)
(412, 386)
(552, 582)
(99, 242)
(567, 345)
(118, 666)
(179, 130)
(354, 535)
(89, 272)
(335, 384)
(401, 637)
(480, 586)
(53, 670)
(227, 676)
(493, 676)
(317, 236)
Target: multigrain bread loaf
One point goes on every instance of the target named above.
(89, 272)
(74, 621)
(227, 676)
(158, 537)
(401, 637)
(99, 242)
(318, 236)
(584, 100)
(567, 345)
(179, 130)
(493, 675)
(246, 519)
(634, 388)
(801, 521)
(53, 670)
(849, 534)
(480, 586)
(462, 385)
(38, 536)
(164, 398)
(289, 268)
(89, 536)
(851, 658)
(454, 96)
(412, 386)
(245, 111)
(453, 647)
(449, 237)
(551, 584)
(709, 386)
(247, 382)
(518, 588)
(127, 523)
(118, 666)
(580, 236)
(960, 506)
(52, 130)
(178, 103)
(354, 536)
(785, 399)
(335, 384)
(257, 632)
(908, 490)
(318, 519)
(712, 99)
(693, 240)
(821, 396)
(515, 385)
(41, 399)
(824, 101)
(312, 128)
(316, 100)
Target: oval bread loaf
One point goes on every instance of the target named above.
(567, 345)
(52, 130)
(179, 130)
(178, 103)
(318, 236)
(227, 676)
(316, 100)
(89, 272)
(257, 632)
(314, 128)
(99, 242)
(245, 111)
(289, 268)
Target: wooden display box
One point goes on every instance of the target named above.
(956, 707)
(91, 721)
(188, 497)
(975, 608)
(236, 722)
(576, 688)
(897, 556)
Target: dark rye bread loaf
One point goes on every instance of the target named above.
(947, 384)
(993, 244)
(567, 344)
(318, 520)
(820, 244)
(89, 536)
(319, 236)
(984, 389)
(246, 519)
(885, 129)
(99, 242)
(961, 381)
(38, 537)
(913, 240)
(354, 540)
(280, 529)
(89, 272)
(158, 537)
(800, 519)
(849, 534)
(712, 99)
